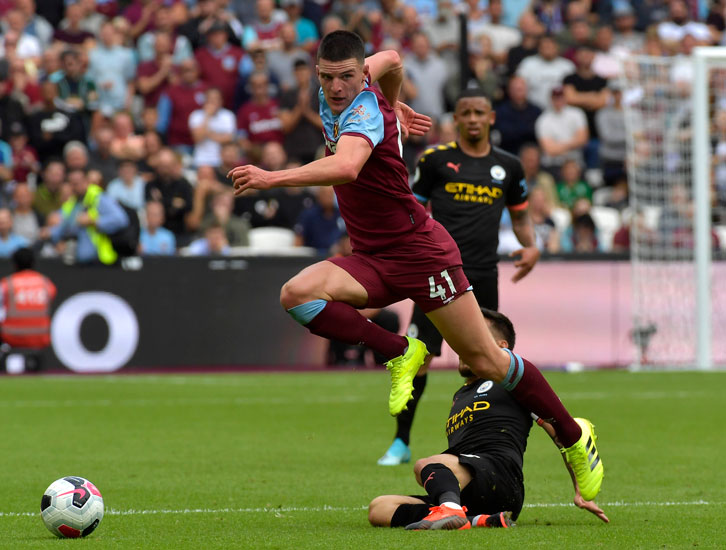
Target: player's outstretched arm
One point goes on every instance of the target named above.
(580, 502)
(351, 154)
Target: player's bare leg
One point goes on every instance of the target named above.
(323, 297)
(464, 328)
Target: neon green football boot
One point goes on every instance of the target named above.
(403, 368)
(584, 459)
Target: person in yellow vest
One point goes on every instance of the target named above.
(88, 218)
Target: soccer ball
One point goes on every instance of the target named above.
(71, 507)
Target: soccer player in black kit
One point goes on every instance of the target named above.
(478, 480)
(468, 182)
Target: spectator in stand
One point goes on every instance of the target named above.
(140, 14)
(258, 122)
(156, 240)
(6, 169)
(113, 69)
(516, 117)
(267, 25)
(305, 30)
(211, 127)
(72, 32)
(220, 62)
(178, 46)
(551, 13)
(589, 92)
(206, 13)
(443, 31)
(52, 127)
(531, 30)
(177, 103)
(76, 90)
(36, 25)
(126, 144)
(16, 40)
(49, 195)
(9, 240)
(561, 133)
(24, 85)
(95, 13)
(572, 187)
(154, 75)
(534, 176)
(153, 146)
(503, 37)
(50, 10)
(75, 155)
(174, 192)
(320, 226)
(128, 188)
(679, 24)
(102, 157)
(299, 115)
(24, 158)
(610, 123)
(282, 62)
(540, 212)
(26, 221)
(544, 72)
(429, 73)
(258, 64)
(214, 242)
(627, 38)
(11, 110)
(581, 236)
(607, 61)
(236, 229)
(578, 34)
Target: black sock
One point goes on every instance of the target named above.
(406, 514)
(404, 421)
(441, 483)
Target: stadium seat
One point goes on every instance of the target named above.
(720, 230)
(562, 219)
(607, 221)
(271, 238)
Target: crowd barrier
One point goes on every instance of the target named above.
(165, 313)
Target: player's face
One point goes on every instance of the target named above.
(474, 116)
(341, 81)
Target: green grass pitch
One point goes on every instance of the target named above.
(288, 461)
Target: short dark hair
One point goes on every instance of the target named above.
(501, 325)
(341, 45)
(473, 92)
(23, 258)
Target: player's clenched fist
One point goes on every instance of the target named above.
(249, 177)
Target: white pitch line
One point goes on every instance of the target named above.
(291, 509)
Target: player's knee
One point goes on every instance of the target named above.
(293, 293)
(420, 464)
(374, 512)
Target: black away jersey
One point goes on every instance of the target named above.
(467, 196)
(485, 419)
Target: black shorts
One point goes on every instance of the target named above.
(486, 291)
(495, 487)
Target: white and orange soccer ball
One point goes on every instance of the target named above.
(71, 507)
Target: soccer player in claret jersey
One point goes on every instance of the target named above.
(398, 250)
(468, 182)
(477, 481)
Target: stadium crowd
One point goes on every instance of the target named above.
(149, 103)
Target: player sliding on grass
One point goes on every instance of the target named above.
(399, 251)
(478, 480)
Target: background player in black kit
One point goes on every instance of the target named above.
(468, 182)
(478, 480)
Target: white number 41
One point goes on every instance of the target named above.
(438, 291)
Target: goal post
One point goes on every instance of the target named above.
(670, 106)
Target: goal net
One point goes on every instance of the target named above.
(677, 214)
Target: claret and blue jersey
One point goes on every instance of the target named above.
(378, 207)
